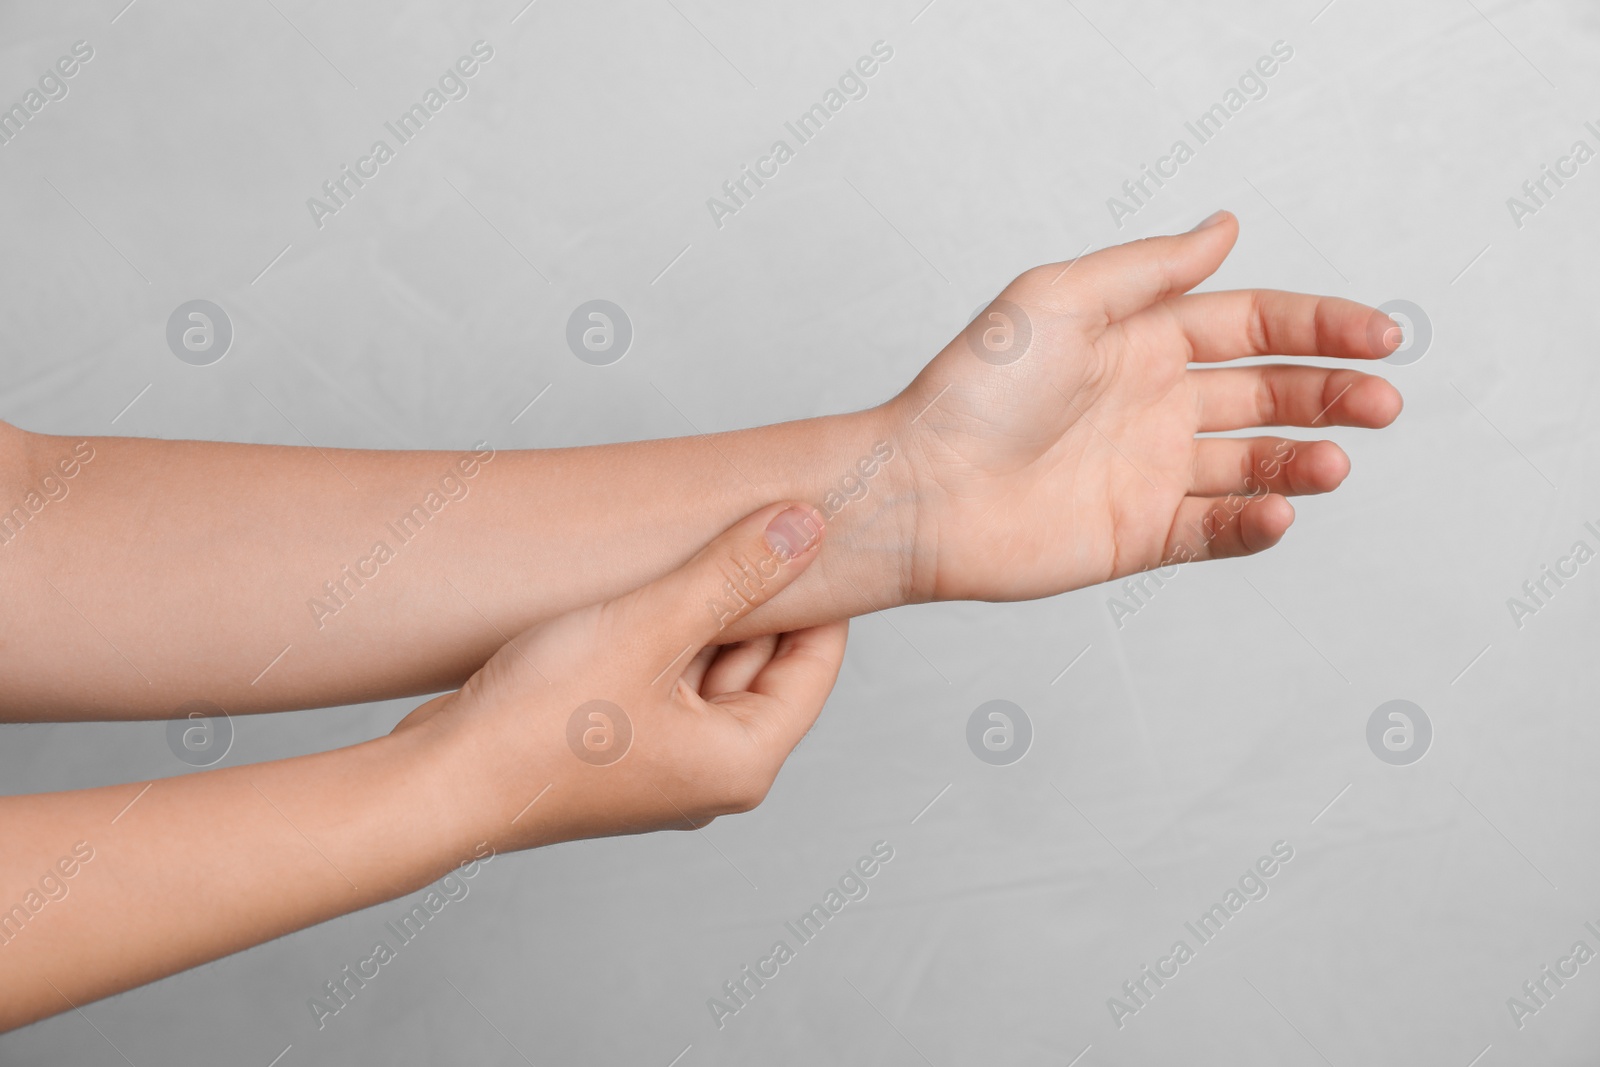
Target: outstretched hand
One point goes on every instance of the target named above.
(1055, 441)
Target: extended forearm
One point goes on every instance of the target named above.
(262, 578)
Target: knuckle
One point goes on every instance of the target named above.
(1036, 277)
(1266, 399)
(1257, 331)
(1334, 385)
(746, 792)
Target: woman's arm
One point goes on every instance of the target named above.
(267, 578)
(1055, 443)
(105, 889)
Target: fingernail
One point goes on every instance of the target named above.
(1210, 220)
(792, 532)
(1393, 336)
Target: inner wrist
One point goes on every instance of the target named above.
(900, 423)
(865, 488)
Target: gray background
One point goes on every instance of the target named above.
(1225, 716)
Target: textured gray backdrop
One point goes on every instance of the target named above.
(1168, 754)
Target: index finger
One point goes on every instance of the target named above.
(787, 695)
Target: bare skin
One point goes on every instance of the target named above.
(1054, 444)
(177, 571)
(133, 883)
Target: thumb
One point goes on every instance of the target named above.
(1125, 279)
(746, 566)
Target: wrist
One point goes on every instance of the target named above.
(902, 421)
(447, 785)
(866, 488)
(475, 785)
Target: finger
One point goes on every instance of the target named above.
(737, 665)
(1281, 394)
(1256, 465)
(694, 674)
(1116, 282)
(786, 696)
(745, 566)
(1266, 322)
(1220, 527)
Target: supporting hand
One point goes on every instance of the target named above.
(626, 717)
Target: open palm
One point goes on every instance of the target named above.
(1054, 440)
